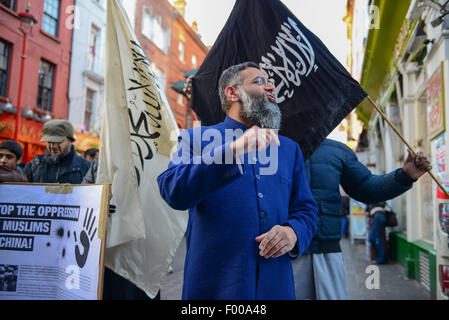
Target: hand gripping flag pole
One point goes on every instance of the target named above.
(382, 114)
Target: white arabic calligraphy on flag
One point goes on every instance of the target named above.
(138, 134)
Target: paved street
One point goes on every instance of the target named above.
(172, 288)
(393, 284)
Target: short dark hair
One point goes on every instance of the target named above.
(231, 76)
(12, 146)
(92, 152)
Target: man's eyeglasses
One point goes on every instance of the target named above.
(262, 81)
(258, 80)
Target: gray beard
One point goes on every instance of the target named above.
(261, 112)
(55, 159)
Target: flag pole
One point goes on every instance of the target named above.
(406, 143)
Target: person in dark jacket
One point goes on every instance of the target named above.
(60, 163)
(10, 157)
(320, 273)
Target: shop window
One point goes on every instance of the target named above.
(5, 48)
(10, 4)
(45, 85)
(51, 17)
(88, 110)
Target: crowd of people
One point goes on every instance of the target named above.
(318, 268)
(61, 164)
(250, 235)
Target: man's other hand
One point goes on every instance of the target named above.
(277, 241)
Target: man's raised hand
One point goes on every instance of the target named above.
(254, 139)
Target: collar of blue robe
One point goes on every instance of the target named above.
(234, 124)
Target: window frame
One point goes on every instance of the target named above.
(41, 88)
(48, 17)
(153, 29)
(11, 6)
(194, 65)
(181, 51)
(4, 76)
(92, 54)
(89, 110)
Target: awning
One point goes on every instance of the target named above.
(379, 51)
(179, 85)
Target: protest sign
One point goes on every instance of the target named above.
(52, 240)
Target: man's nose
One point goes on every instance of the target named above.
(269, 87)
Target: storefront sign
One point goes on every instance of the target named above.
(30, 134)
(438, 152)
(30, 130)
(435, 103)
(358, 225)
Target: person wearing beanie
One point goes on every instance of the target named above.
(60, 163)
(10, 157)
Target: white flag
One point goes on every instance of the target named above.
(138, 135)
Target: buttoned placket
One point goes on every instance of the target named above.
(261, 197)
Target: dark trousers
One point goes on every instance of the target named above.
(116, 287)
(344, 227)
(375, 236)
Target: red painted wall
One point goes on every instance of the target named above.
(40, 45)
(169, 62)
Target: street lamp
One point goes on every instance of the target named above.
(27, 20)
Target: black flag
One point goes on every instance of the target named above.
(313, 90)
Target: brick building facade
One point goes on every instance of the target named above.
(174, 48)
(46, 73)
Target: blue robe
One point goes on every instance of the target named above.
(229, 206)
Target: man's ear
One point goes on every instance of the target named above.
(230, 92)
(19, 161)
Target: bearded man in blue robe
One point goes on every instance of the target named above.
(250, 205)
